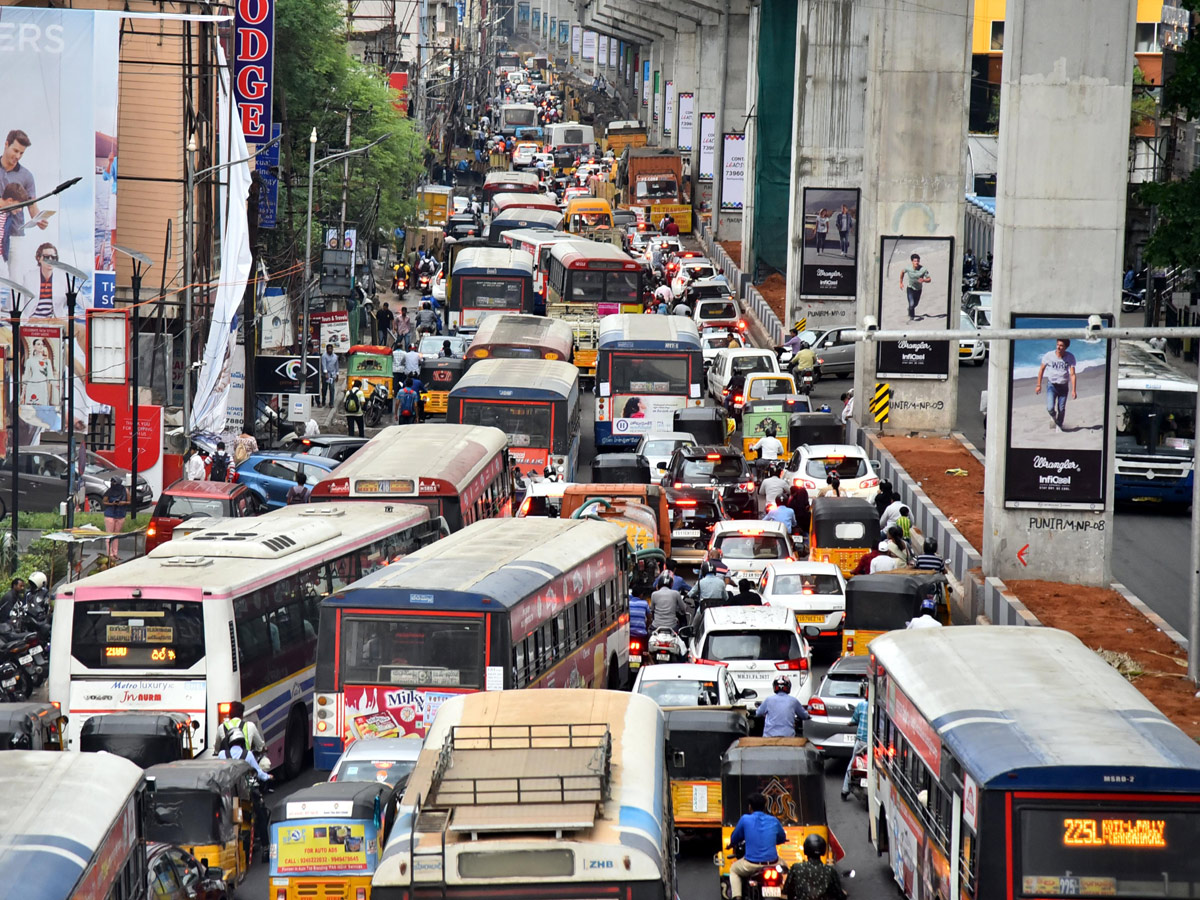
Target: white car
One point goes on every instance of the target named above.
(524, 154)
(431, 345)
(748, 545)
(385, 760)
(815, 592)
(809, 466)
(714, 339)
(758, 644)
(543, 498)
(697, 268)
(439, 287)
(686, 684)
(657, 446)
(731, 362)
(973, 350)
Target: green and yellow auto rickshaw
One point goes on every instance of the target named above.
(771, 415)
(372, 365)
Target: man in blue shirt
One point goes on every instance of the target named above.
(670, 577)
(761, 832)
(859, 719)
(781, 512)
(781, 711)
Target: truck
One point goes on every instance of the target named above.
(624, 133)
(651, 182)
(435, 204)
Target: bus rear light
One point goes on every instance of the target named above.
(741, 324)
(360, 894)
(635, 647)
(322, 725)
(223, 710)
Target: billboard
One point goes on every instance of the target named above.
(687, 121)
(602, 52)
(669, 108)
(254, 66)
(589, 46)
(612, 53)
(563, 29)
(708, 146)
(733, 170)
(1057, 417)
(61, 124)
(576, 38)
(829, 258)
(523, 15)
(657, 95)
(914, 296)
(535, 21)
(645, 82)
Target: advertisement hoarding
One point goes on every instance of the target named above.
(708, 146)
(669, 108)
(914, 296)
(733, 171)
(829, 258)
(686, 135)
(254, 66)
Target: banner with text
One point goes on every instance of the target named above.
(829, 258)
(733, 170)
(564, 28)
(1058, 418)
(914, 296)
(612, 53)
(669, 108)
(645, 82)
(576, 38)
(657, 96)
(602, 53)
(687, 121)
(254, 66)
(589, 46)
(708, 146)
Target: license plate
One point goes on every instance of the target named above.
(26, 659)
(863, 782)
(813, 619)
(9, 682)
(634, 663)
(686, 533)
(772, 891)
(847, 738)
(662, 657)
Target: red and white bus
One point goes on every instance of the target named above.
(502, 604)
(459, 472)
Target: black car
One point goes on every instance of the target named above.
(331, 446)
(694, 514)
(714, 467)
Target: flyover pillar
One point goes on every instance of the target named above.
(1060, 220)
(912, 202)
(827, 157)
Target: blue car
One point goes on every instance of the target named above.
(271, 474)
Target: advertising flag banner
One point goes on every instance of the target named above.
(612, 53)
(657, 96)
(686, 135)
(645, 82)
(564, 28)
(589, 46)
(60, 124)
(523, 15)
(576, 38)
(535, 20)
(1058, 418)
(914, 296)
(733, 171)
(254, 66)
(603, 51)
(708, 146)
(669, 108)
(829, 259)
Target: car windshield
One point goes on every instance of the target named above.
(752, 546)
(717, 310)
(663, 448)
(743, 365)
(682, 692)
(708, 471)
(384, 771)
(806, 584)
(700, 510)
(845, 466)
(727, 646)
(841, 685)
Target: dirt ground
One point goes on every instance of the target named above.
(1110, 622)
(774, 291)
(734, 249)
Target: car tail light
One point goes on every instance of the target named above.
(746, 486)
(678, 485)
(710, 662)
(751, 532)
(151, 530)
(793, 665)
(804, 483)
(870, 482)
(525, 504)
(816, 707)
(685, 502)
(635, 646)
(715, 456)
(849, 645)
(741, 325)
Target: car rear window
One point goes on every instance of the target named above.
(707, 471)
(752, 546)
(806, 584)
(385, 771)
(717, 311)
(728, 646)
(845, 466)
(681, 692)
(743, 365)
(170, 506)
(696, 272)
(841, 685)
(770, 387)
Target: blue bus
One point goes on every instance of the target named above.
(647, 368)
(533, 401)
(1013, 763)
(487, 281)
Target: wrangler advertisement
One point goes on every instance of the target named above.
(914, 296)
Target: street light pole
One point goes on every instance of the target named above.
(18, 291)
(141, 262)
(75, 279)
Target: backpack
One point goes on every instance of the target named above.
(407, 402)
(352, 404)
(813, 881)
(219, 470)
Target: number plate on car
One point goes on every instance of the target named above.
(25, 660)
(847, 738)
(662, 657)
(686, 533)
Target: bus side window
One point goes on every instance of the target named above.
(548, 657)
(519, 673)
(562, 637)
(577, 634)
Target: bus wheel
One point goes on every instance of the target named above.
(614, 674)
(295, 743)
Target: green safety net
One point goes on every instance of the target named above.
(773, 119)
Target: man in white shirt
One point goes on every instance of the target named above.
(412, 363)
(885, 562)
(768, 447)
(891, 514)
(193, 469)
(848, 409)
(926, 618)
(664, 294)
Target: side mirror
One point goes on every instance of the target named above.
(214, 873)
(875, 466)
(685, 632)
(662, 467)
(812, 632)
(747, 694)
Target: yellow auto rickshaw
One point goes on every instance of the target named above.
(791, 775)
(697, 738)
(438, 377)
(843, 530)
(887, 601)
(372, 365)
(208, 807)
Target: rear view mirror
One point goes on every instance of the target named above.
(875, 466)
(747, 694)
(662, 467)
(214, 873)
(812, 631)
(685, 632)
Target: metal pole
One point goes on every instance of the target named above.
(302, 376)
(188, 252)
(137, 323)
(1194, 595)
(16, 425)
(72, 296)
(345, 188)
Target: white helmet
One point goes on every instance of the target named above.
(38, 580)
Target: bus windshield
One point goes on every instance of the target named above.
(649, 374)
(412, 650)
(139, 634)
(490, 293)
(1156, 421)
(526, 424)
(518, 117)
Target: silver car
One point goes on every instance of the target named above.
(835, 352)
(832, 705)
(657, 446)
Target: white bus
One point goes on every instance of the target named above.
(542, 795)
(72, 826)
(1156, 428)
(581, 139)
(225, 614)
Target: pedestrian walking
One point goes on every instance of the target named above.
(116, 505)
(383, 320)
(194, 468)
(329, 376)
(243, 447)
(407, 402)
(913, 278)
(300, 491)
(353, 403)
(403, 328)
(218, 469)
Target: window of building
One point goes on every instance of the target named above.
(1145, 38)
(998, 35)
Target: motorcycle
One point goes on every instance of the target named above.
(1132, 300)
(18, 651)
(425, 284)
(665, 646)
(858, 776)
(806, 382)
(771, 881)
(379, 404)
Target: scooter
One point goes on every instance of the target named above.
(665, 646)
(806, 382)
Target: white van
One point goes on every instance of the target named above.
(737, 361)
(757, 644)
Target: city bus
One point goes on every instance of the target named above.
(587, 813)
(517, 116)
(1156, 428)
(72, 826)
(533, 401)
(507, 201)
(459, 472)
(522, 218)
(1014, 762)
(572, 136)
(502, 604)
(536, 242)
(647, 368)
(226, 613)
(522, 337)
(507, 61)
(509, 182)
(586, 280)
(487, 281)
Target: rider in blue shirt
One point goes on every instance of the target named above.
(761, 832)
(781, 711)
(781, 512)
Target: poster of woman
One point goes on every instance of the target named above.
(41, 395)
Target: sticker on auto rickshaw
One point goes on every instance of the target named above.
(322, 848)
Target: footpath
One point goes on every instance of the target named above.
(947, 505)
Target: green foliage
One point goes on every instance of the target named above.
(316, 81)
(1144, 106)
(1176, 237)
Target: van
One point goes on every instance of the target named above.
(734, 361)
(756, 644)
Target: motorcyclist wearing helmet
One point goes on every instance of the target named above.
(782, 714)
(427, 320)
(710, 590)
(761, 832)
(927, 618)
(812, 879)
(805, 358)
(39, 594)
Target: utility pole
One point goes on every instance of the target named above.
(345, 190)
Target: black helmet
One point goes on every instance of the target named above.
(782, 683)
(814, 845)
(931, 545)
(707, 568)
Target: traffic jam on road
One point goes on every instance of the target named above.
(580, 467)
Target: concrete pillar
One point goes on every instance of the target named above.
(916, 152)
(731, 113)
(1060, 221)
(827, 138)
(710, 82)
(747, 261)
